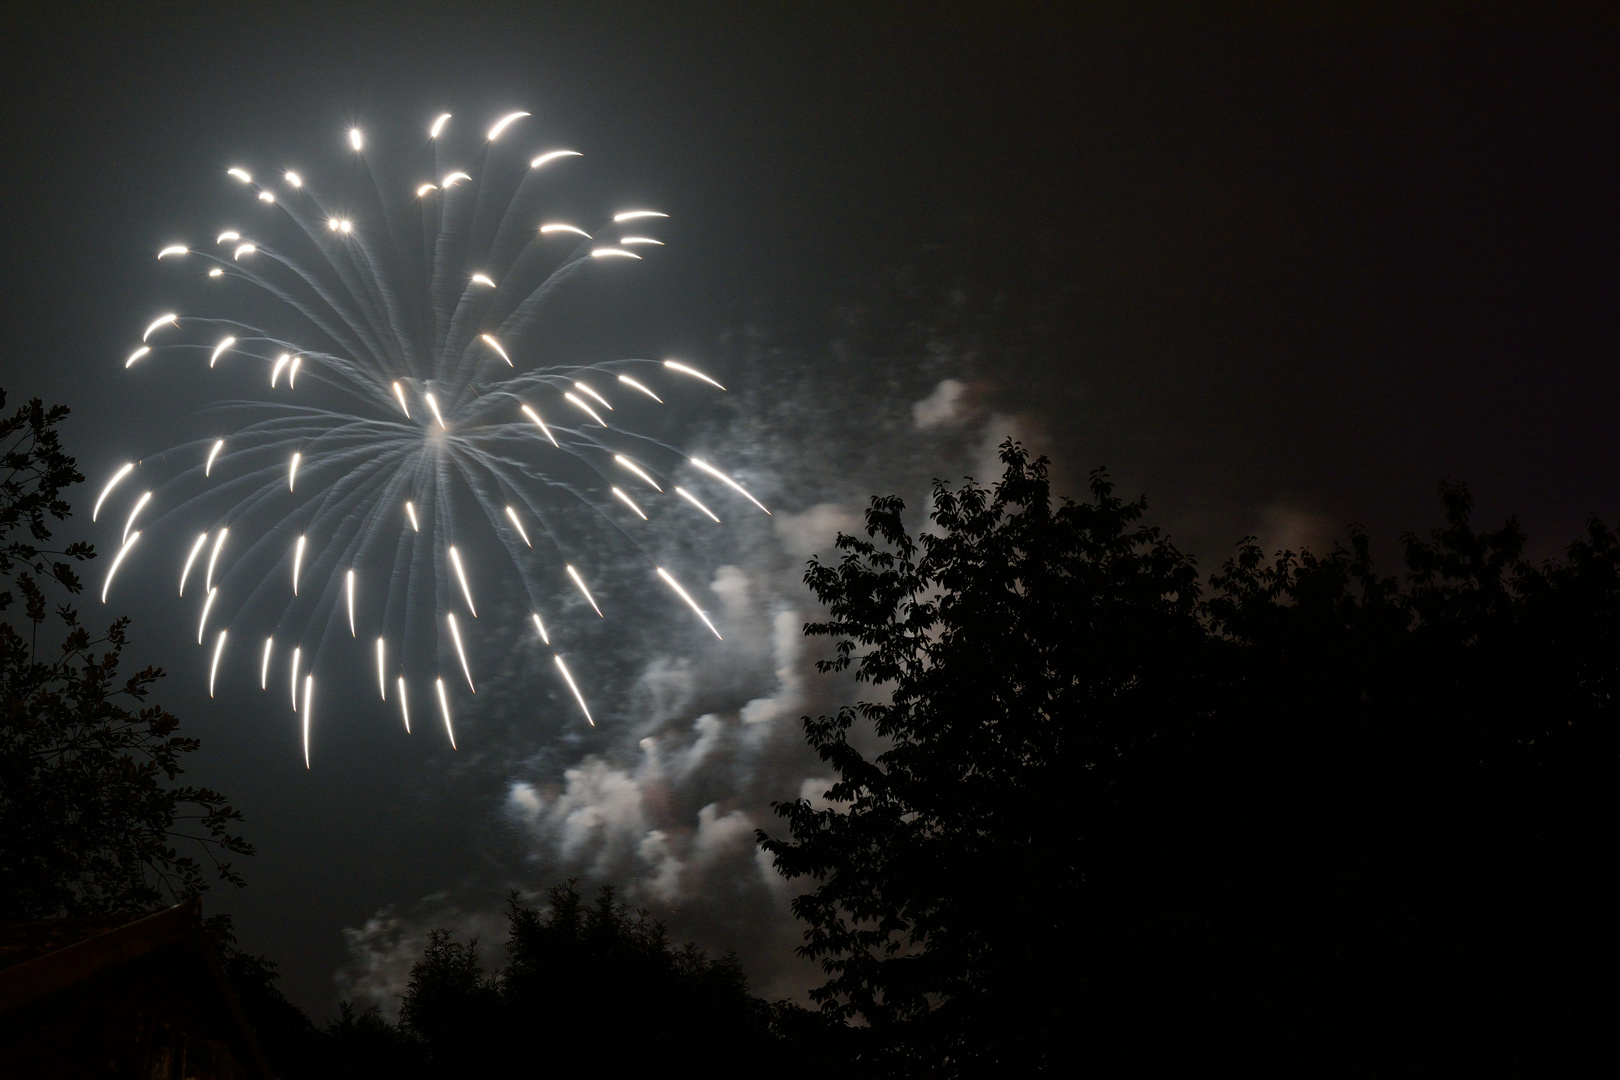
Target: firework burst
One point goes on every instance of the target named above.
(403, 419)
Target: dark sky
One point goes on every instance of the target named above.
(1279, 274)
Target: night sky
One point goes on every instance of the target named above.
(1280, 276)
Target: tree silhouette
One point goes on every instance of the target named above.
(1027, 650)
(1323, 821)
(90, 819)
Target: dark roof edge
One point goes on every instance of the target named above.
(24, 983)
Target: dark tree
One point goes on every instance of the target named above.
(90, 817)
(1027, 650)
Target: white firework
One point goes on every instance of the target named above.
(426, 426)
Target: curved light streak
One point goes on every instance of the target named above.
(637, 469)
(461, 576)
(500, 125)
(425, 188)
(437, 415)
(281, 361)
(228, 234)
(518, 525)
(292, 372)
(294, 179)
(627, 240)
(171, 318)
(136, 355)
(297, 653)
(117, 562)
(444, 707)
(553, 155)
(628, 381)
(404, 709)
(455, 635)
(484, 279)
(213, 668)
(174, 249)
(682, 593)
(185, 571)
(587, 593)
(619, 494)
(453, 179)
(606, 253)
(382, 677)
(556, 227)
(309, 694)
(723, 478)
(399, 393)
(292, 468)
(244, 249)
(124, 471)
(594, 394)
(632, 215)
(410, 512)
(348, 587)
(675, 365)
(241, 174)
(492, 343)
(689, 497)
(540, 626)
(213, 560)
(219, 349)
(298, 561)
(264, 664)
(579, 697)
(140, 504)
(266, 196)
(536, 418)
(574, 401)
(438, 125)
(208, 604)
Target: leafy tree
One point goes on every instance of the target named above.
(1027, 650)
(90, 818)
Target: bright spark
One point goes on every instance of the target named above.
(106, 491)
(220, 348)
(546, 229)
(245, 249)
(404, 710)
(208, 603)
(500, 125)
(684, 370)
(672, 583)
(518, 525)
(600, 253)
(137, 354)
(572, 400)
(173, 249)
(425, 188)
(433, 133)
(228, 235)
(213, 668)
(624, 240)
(540, 626)
(536, 418)
(631, 215)
(216, 272)
(266, 196)
(117, 559)
(354, 138)
(622, 497)
(483, 279)
(434, 405)
(492, 343)
(628, 381)
(348, 587)
(185, 571)
(689, 497)
(586, 389)
(213, 560)
(581, 583)
(296, 653)
(382, 678)
(298, 561)
(295, 180)
(553, 156)
(140, 504)
(264, 665)
(292, 372)
(453, 179)
(444, 707)
(309, 692)
(562, 667)
(410, 512)
(292, 469)
(455, 561)
(637, 469)
(281, 361)
(240, 174)
(717, 474)
(455, 635)
(170, 318)
(400, 393)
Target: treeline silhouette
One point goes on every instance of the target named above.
(1301, 816)
(586, 986)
